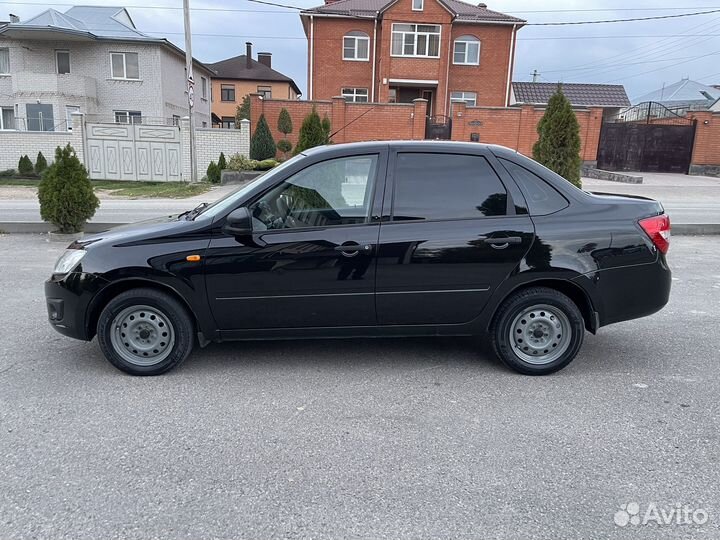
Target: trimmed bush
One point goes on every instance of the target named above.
(284, 146)
(558, 147)
(40, 163)
(326, 127)
(25, 166)
(241, 163)
(262, 145)
(285, 125)
(266, 164)
(213, 173)
(8, 172)
(66, 193)
(312, 133)
(222, 163)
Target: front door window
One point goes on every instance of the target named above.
(330, 193)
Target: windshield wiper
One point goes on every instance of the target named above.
(191, 214)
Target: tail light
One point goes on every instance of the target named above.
(658, 229)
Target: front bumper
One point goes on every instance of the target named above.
(67, 298)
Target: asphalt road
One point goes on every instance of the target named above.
(416, 438)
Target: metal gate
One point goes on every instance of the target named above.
(647, 138)
(438, 127)
(133, 152)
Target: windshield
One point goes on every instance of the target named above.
(228, 201)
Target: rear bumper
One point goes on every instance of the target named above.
(67, 299)
(631, 292)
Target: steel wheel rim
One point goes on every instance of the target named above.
(540, 334)
(142, 335)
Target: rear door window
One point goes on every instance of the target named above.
(431, 186)
(541, 197)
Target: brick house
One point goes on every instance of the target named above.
(395, 51)
(236, 77)
(92, 60)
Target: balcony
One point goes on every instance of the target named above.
(28, 83)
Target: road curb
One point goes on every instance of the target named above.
(29, 227)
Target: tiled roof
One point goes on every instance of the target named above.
(236, 68)
(584, 95)
(371, 8)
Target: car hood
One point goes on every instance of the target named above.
(158, 227)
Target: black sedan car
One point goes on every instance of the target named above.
(372, 240)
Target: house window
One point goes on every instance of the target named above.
(4, 61)
(62, 61)
(417, 5)
(7, 120)
(128, 117)
(355, 95)
(265, 91)
(356, 46)
(125, 66)
(470, 98)
(40, 117)
(392, 95)
(467, 51)
(203, 87)
(227, 92)
(69, 111)
(175, 120)
(421, 40)
(228, 122)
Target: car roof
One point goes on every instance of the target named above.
(404, 145)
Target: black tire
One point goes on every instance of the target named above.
(162, 315)
(550, 312)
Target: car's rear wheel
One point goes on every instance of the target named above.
(537, 331)
(145, 332)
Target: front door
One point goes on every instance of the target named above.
(449, 238)
(311, 259)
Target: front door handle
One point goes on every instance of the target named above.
(501, 242)
(350, 250)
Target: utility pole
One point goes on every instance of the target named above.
(190, 89)
(535, 75)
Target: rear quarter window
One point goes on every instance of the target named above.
(542, 198)
(446, 186)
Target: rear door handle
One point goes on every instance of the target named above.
(501, 242)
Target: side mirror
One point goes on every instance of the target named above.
(238, 222)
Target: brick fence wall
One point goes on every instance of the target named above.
(706, 150)
(514, 127)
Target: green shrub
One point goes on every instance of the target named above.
(312, 132)
(284, 125)
(66, 194)
(213, 173)
(241, 163)
(8, 172)
(262, 145)
(25, 166)
(40, 163)
(266, 164)
(326, 128)
(558, 147)
(284, 146)
(222, 163)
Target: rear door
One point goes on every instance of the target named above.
(450, 235)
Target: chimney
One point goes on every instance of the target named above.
(330, 2)
(14, 18)
(248, 54)
(265, 58)
(482, 5)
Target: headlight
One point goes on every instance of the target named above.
(68, 260)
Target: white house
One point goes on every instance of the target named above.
(92, 59)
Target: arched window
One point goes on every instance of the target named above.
(467, 51)
(356, 46)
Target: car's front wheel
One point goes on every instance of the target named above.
(537, 331)
(145, 332)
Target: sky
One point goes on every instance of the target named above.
(642, 55)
